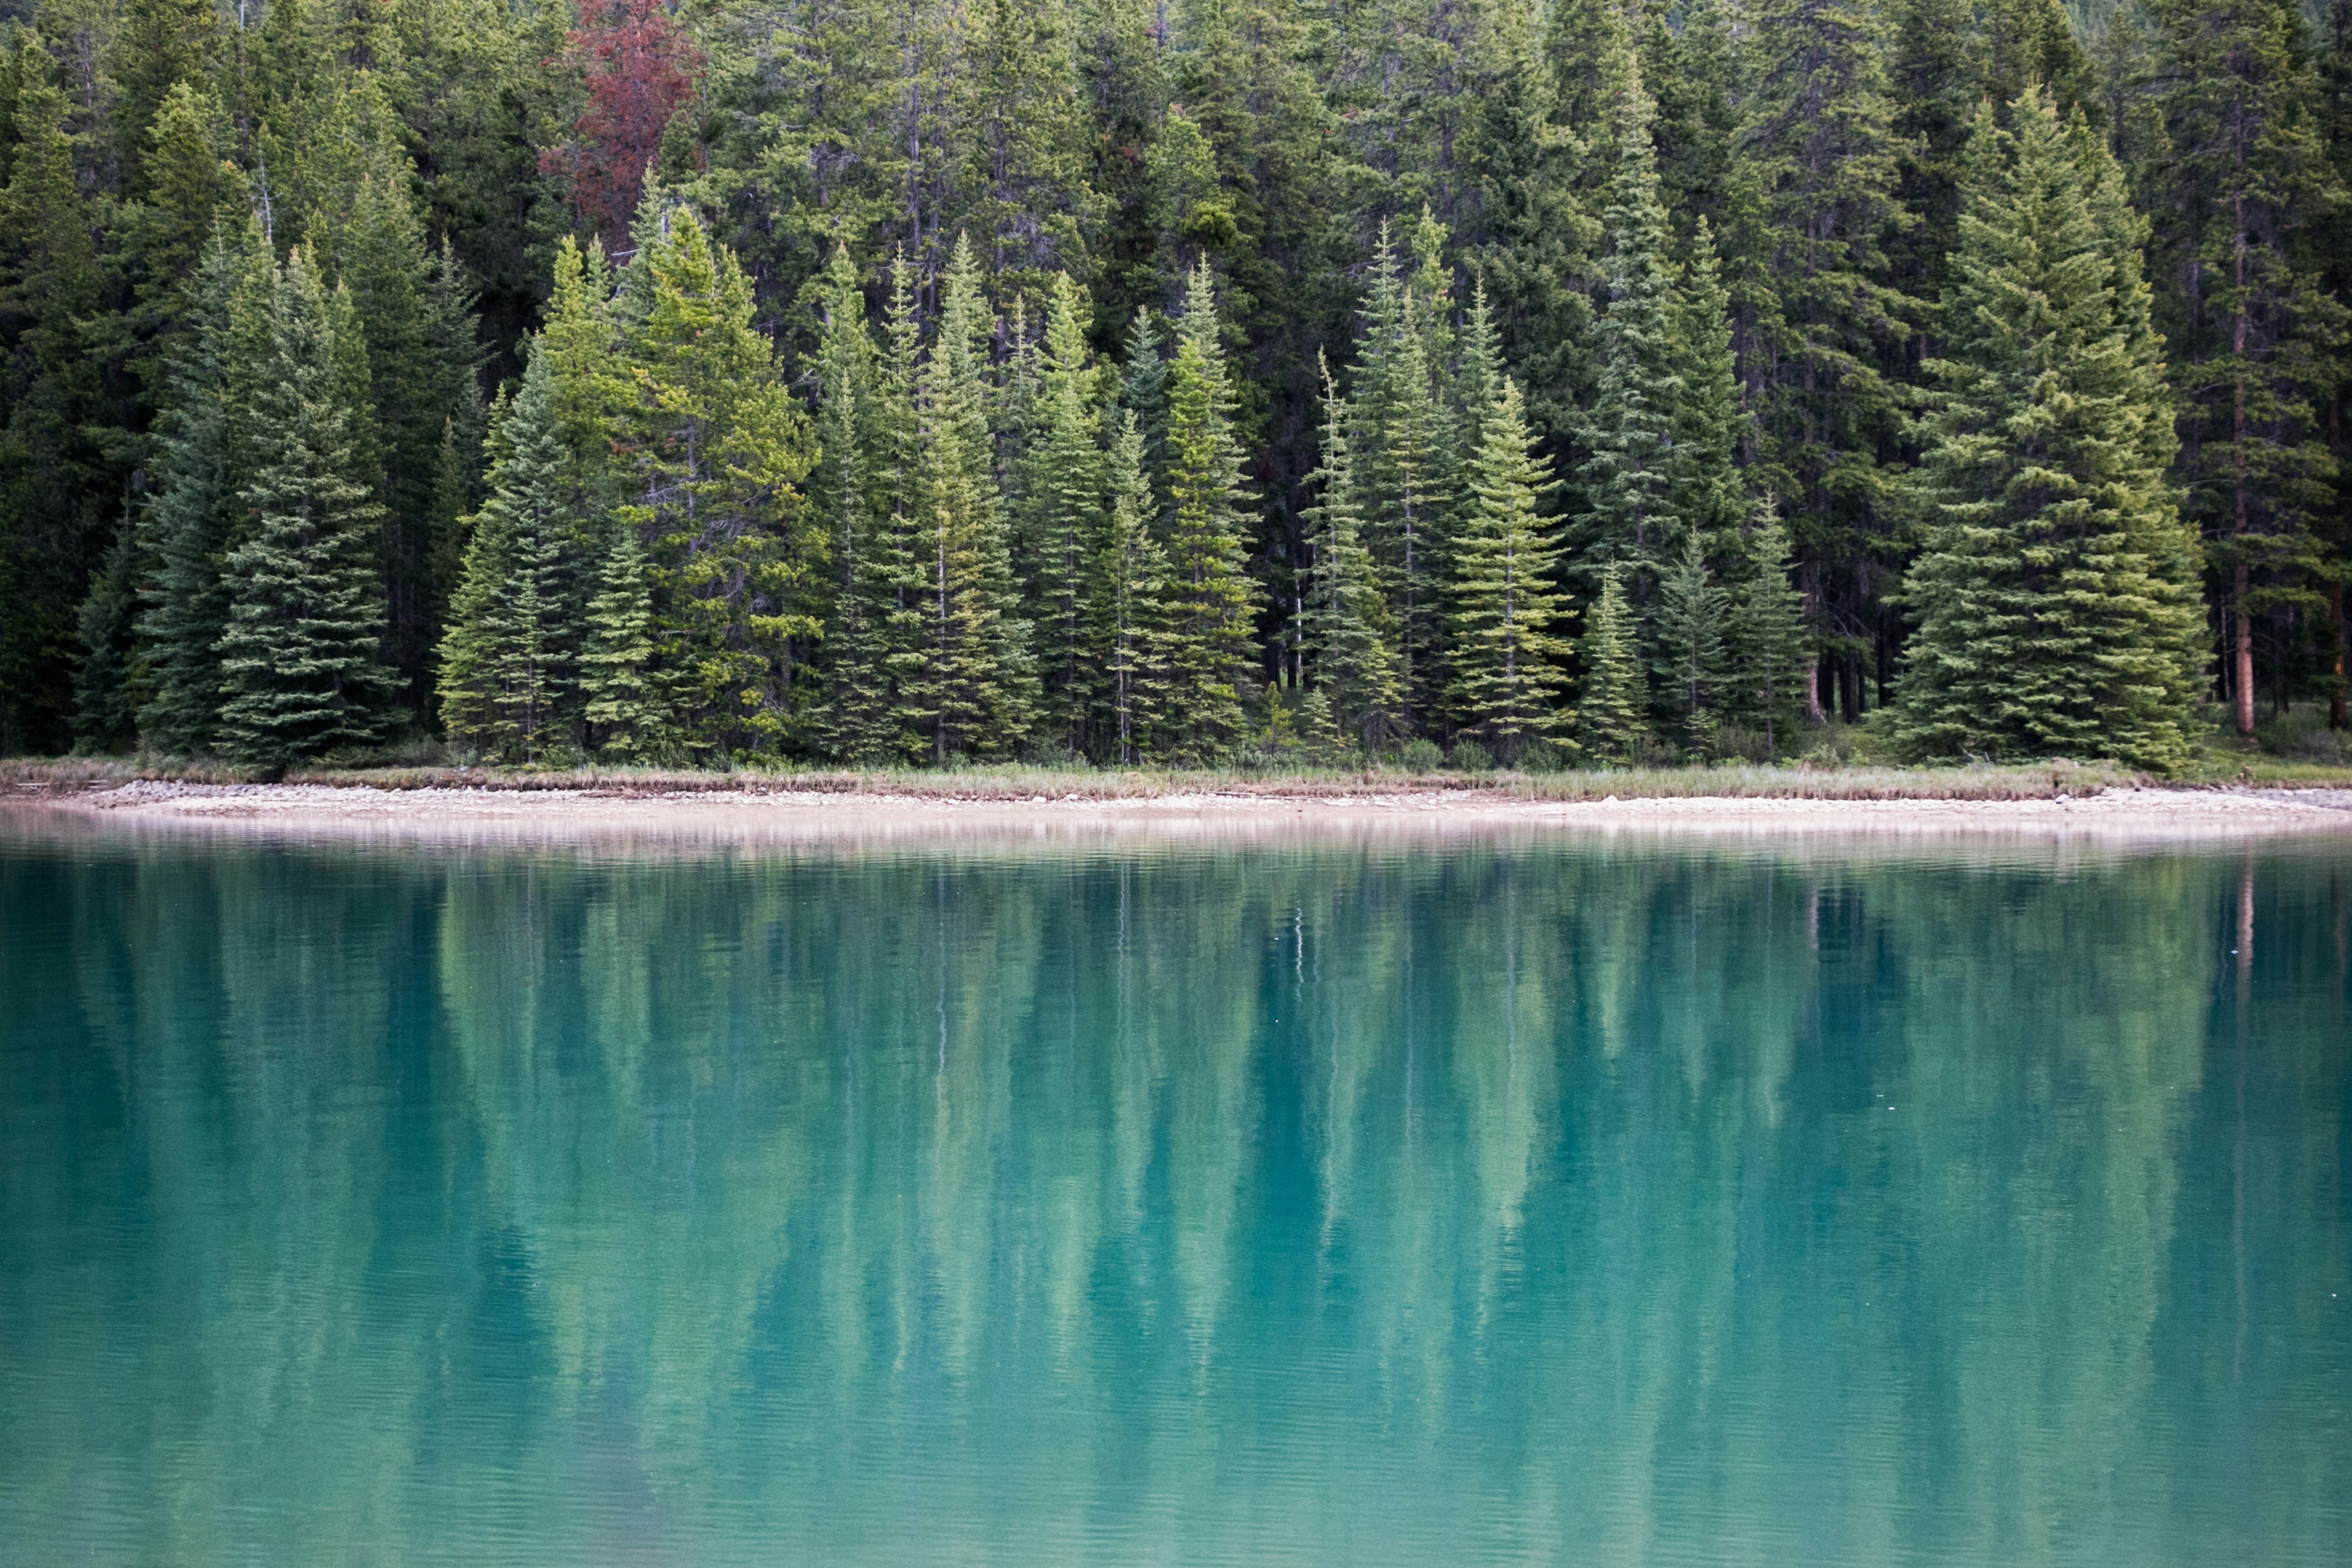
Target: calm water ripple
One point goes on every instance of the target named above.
(1325, 1203)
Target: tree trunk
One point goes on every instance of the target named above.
(2242, 659)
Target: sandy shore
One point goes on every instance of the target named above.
(2130, 814)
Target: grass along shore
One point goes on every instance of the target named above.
(1803, 779)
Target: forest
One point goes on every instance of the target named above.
(1171, 382)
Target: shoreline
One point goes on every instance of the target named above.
(833, 813)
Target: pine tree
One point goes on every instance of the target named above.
(2056, 601)
(58, 490)
(720, 451)
(860, 724)
(1065, 484)
(1397, 435)
(625, 695)
(1611, 717)
(107, 687)
(976, 689)
(301, 659)
(1690, 613)
(1129, 585)
(206, 456)
(1771, 647)
(506, 682)
(1627, 474)
(1506, 672)
(1821, 320)
(2234, 173)
(1349, 629)
(1706, 495)
(1210, 651)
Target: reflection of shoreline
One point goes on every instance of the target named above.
(2117, 817)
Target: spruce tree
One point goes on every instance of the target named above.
(1627, 475)
(1066, 487)
(720, 453)
(204, 457)
(506, 684)
(1771, 647)
(2057, 611)
(860, 722)
(1706, 495)
(1612, 713)
(2235, 172)
(625, 695)
(107, 688)
(1692, 611)
(1505, 655)
(1398, 435)
(302, 666)
(1127, 614)
(976, 686)
(1210, 651)
(1349, 630)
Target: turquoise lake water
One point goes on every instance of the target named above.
(1329, 1201)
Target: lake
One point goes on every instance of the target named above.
(1345, 1200)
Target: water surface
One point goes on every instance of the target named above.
(1551, 1200)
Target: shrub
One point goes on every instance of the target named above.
(1421, 756)
(1469, 757)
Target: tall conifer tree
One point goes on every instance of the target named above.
(1505, 604)
(1209, 593)
(2056, 593)
(302, 658)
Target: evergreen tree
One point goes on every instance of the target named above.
(2055, 592)
(506, 682)
(720, 451)
(1706, 496)
(1690, 613)
(300, 659)
(1823, 321)
(1209, 649)
(627, 699)
(1627, 473)
(58, 491)
(1612, 722)
(1066, 485)
(1349, 629)
(107, 687)
(859, 722)
(1127, 611)
(977, 685)
(1771, 647)
(2234, 172)
(1506, 672)
(206, 454)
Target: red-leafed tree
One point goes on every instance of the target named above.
(638, 67)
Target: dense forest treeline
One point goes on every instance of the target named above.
(930, 381)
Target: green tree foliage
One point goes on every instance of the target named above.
(1127, 604)
(2233, 170)
(2056, 592)
(506, 665)
(1627, 474)
(1065, 490)
(1505, 603)
(1771, 646)
(1349, 630)
(301, 661)
(59, 492)
(1612, 713)
(1211, 642)
(1691, 652)
(975, 686)
(717, 452)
